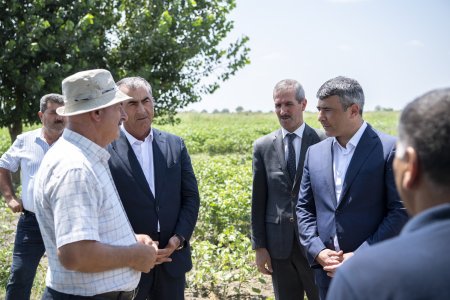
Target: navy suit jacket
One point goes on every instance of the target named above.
(370, 209)
(176, 202)
(414, 265)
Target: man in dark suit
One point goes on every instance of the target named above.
(156, 183)
(414, 265)
(348, 198)
(277, 168)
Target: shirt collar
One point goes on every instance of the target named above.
(86, 145)
(132, 140)
(353, 142)
(299, 131)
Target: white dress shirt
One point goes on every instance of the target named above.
(341, 160)
(297, 142)
(144, 153)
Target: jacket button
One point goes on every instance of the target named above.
(291, 219)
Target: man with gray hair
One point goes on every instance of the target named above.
(277, 170)
(156, 183)
(27, 152)
(92, 250)
(415, 264)
(347, 198)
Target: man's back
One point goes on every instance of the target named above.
(75, 199)
(407, 267)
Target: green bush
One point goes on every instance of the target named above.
(222, 255)
(7, 242)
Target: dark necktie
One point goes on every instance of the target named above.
(291, 166)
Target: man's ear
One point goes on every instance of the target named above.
(40, 115)
(412, 172)
(96, 115)
(304, 102)
(354, 109)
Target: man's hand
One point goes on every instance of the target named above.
(164, 254)
(329, 259)
(263, 261)
(145, 256)
(15, 204)
(332, 268)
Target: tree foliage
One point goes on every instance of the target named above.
(178, 46)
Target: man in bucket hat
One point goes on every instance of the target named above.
(91, 248)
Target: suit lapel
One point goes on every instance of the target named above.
(365, 146)
(126, 155)
(160, 152)
(306, 142)
(327, 164)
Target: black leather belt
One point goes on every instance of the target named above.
(116, 295)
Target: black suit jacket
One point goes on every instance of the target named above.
(274, 194)
(176, 202)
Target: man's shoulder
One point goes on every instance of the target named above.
(29, 134)
(384, 137)
(390, 264)
(268, 138)
(323, 144)
(170, 137)
(316, 133)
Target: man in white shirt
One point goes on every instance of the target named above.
(27, 152)
(347, 198)
(92, 250)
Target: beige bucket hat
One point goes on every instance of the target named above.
(89, 90)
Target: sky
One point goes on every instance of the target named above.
(396, 49)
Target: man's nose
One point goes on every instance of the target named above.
(320, 116)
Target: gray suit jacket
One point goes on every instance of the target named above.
(274, 194)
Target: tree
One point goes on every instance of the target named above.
(41, 43)
(175, 45)
(239, 109)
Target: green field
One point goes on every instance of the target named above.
(221, 150)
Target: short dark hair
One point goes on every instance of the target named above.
(54, 98)
(347, 89)
(425, 126)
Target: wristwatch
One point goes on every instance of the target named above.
(181, 239)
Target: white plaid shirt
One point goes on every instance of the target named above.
(75, 200)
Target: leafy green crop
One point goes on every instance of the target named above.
(221, 151)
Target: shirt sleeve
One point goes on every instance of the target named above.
(11, 159)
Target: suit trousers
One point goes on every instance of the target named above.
(292, 277)
(159, 285)
(28, 251)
